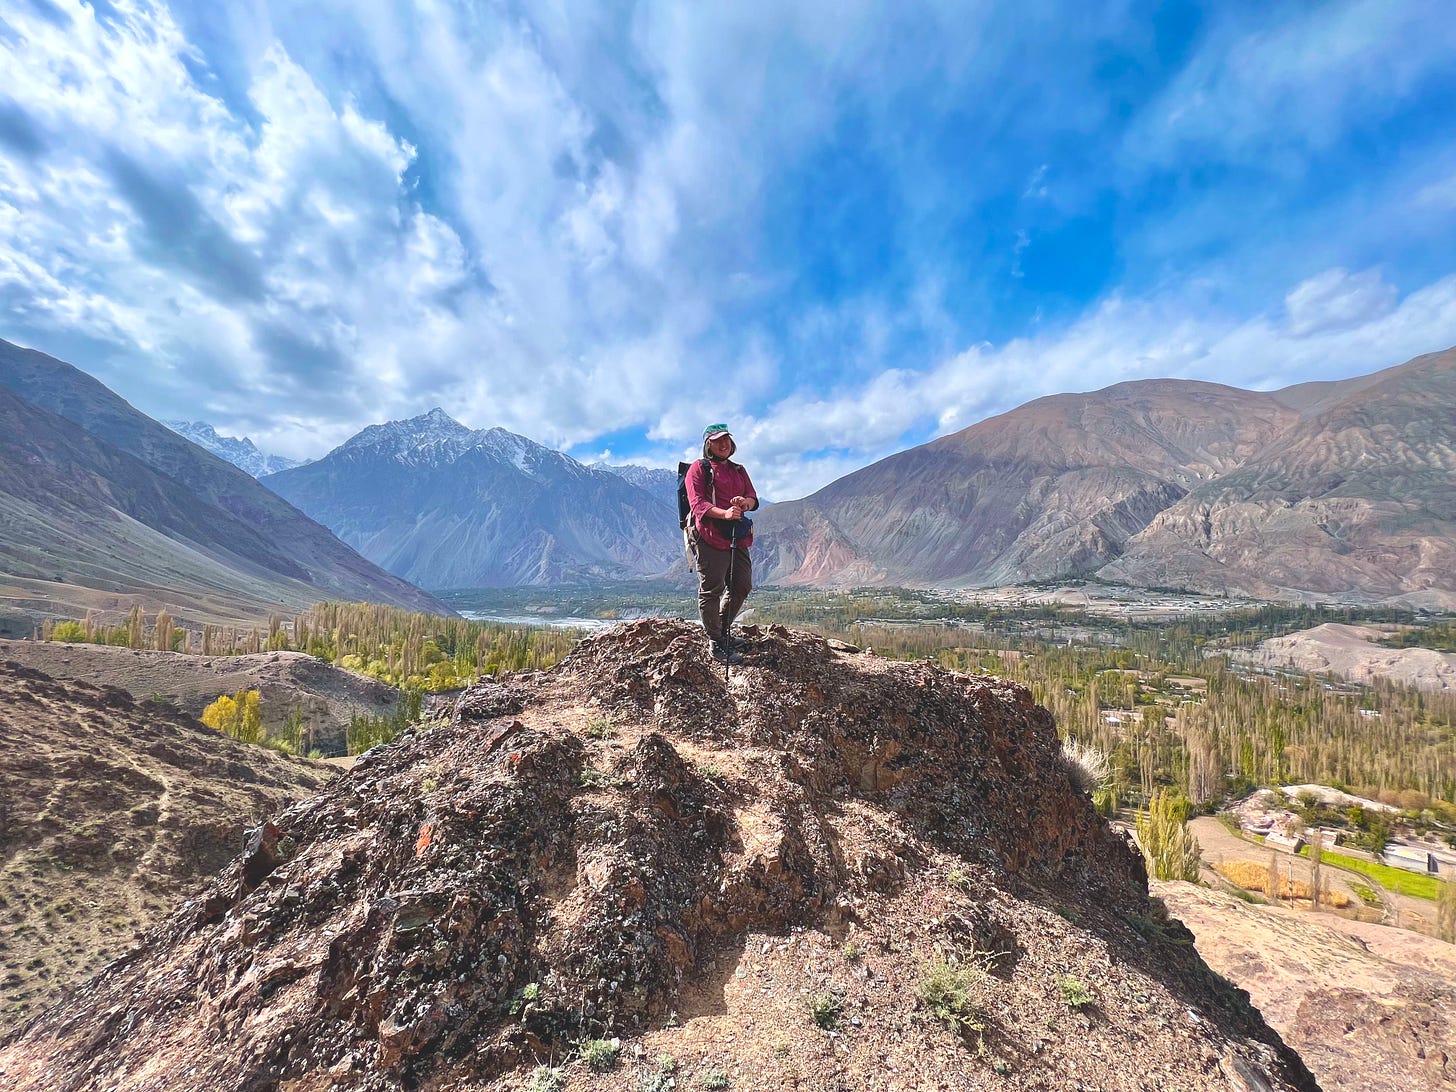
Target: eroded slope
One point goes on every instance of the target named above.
(111, 810)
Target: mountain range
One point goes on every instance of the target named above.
(103, 506)
(1342, 490)
(242, 453)
(445, 506)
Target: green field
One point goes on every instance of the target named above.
(1393, 879)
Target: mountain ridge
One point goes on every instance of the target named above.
(446, 506)
(1158, 483)
(242, 453)
(104, 499)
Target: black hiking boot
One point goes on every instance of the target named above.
(725, 653)
(737, 644)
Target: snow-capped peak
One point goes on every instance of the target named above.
(242, 453)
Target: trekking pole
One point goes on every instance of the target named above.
(725, 621)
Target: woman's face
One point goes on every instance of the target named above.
(722, 447)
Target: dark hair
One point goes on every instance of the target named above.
(731, 450)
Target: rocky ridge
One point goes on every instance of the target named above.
(242, 453)
(748, 880)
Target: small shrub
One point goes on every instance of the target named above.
(958, 879)
(715, 1078)
(601, 728)
(1086, 766)
(709, 770)
(851, 952)
(1365, 894)
(601, 1055)
(948, 990)
(546, 1079)
(592, 778)
(1074, 992)
(524, 996)
(824, 1010)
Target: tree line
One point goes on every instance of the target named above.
(410, 650)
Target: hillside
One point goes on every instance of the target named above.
(105, 507)
(326, 696)
(1351, 653)
(1337, 491)
(1368, 1007)
(1357, 500)
(449, 507)
(111, 812)
(829, 872)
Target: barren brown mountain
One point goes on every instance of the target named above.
(104, 506)
(829, 872)
(1338, 490)
(288, 683)
(111, 811)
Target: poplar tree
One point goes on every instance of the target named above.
(1169, 847)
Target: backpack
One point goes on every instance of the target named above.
(685, 510)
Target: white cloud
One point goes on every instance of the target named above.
(1323, 65)
(1336, 300)
(1440, 194)
(553, 221)
(1351, 326)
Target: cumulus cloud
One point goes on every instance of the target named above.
(581, 221)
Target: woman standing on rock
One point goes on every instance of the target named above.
(719, 493)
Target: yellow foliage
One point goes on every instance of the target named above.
(239, 715)
(1252, 876)
(222, 715)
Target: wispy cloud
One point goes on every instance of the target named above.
(848, 226)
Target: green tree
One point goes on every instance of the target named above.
(1171, 850)
(69, 632)
(250, 716)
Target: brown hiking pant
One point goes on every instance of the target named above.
(715, 599)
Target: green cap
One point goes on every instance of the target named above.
(712, 432)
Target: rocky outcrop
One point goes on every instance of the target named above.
(712, 871)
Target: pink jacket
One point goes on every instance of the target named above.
(729, 480)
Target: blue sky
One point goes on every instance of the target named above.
(843, 228)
